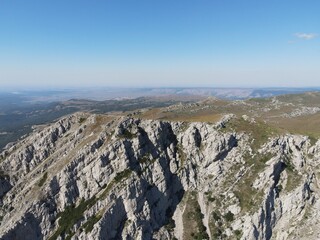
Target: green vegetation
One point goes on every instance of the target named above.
(82, 120)
(238, 233)
(170, 225)
(193, 218)
(67, 135)
(181, 154)
(209, 196)
(293, 177)
(229, 216)
(184, 126)
(144, 159)
(312, 139)
(122, 175)
(216, 225)
(70, 216)
(88, 226)
(258, 131)
(288, 164)
(307, 125)
(216, 216)
(118, 178)
(259, 100)
(127, 134)
(249, 197)
(202, 230)
(43, 179)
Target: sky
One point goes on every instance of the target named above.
(159, 43)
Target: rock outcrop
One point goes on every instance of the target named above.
(108, 177)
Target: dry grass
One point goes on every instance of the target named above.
(202, 117)
(192, 218)
(259, 131)
(100, 121)
(309, 98)
(154, 113)
(189, 224)
(305, 125)
(185, 116)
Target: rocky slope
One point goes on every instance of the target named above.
(110, 177)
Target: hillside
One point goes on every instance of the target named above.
(214, 169)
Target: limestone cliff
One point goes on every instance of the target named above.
(108, 177)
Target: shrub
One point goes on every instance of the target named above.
(70, 216)
(82, 120)
(43, 179)
(88, 226)
(229, 216)
(238, 232)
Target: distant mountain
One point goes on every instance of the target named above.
(19, 112)
(21, 109)
(101, 94)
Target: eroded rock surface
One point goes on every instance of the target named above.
(108, 177)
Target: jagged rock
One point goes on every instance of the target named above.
(103, 177)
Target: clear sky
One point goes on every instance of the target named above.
(160, 43)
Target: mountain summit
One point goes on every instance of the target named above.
(117, 176)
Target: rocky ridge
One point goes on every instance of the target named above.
(108, 177)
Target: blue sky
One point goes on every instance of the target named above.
(159, 43)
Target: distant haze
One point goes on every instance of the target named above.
(44, 95)
(164, 43)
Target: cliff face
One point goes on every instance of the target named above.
(108, 177)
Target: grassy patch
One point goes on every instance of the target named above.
(70, 216)
(184, 126)
(144, 159)
(249, 197)
(312, 139)
(210, 197)
(293, 178)
(88, 226)
(127, 134)
(181, 154)
(67, 135)
(308, 125)
(82, 120)
(195, 117)
(238, 233)
(118, 178)
(216, 225)
(229, 216)
(259, 131)
(192, 219)
(43, 179)
(122, 175)
(202, 230)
